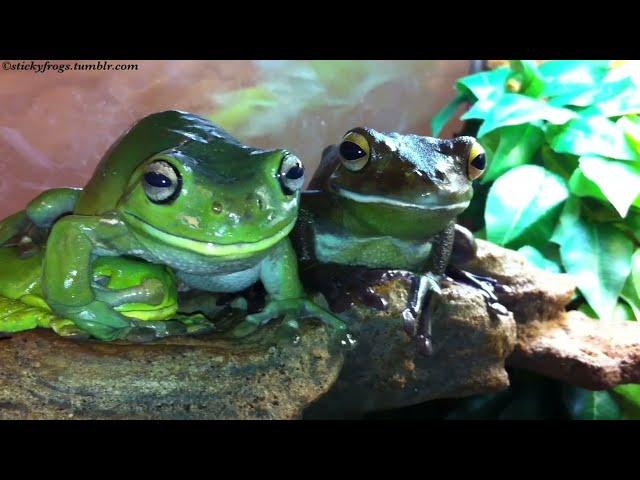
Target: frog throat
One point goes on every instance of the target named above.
(362, 198)
(207, 248)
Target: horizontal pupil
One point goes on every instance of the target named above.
(157, 180)
(479, 162)
(351, 151)
(295, 172)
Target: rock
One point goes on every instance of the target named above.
(535, 294)
(588, 353)
(567, 346)
(385, 371)
(43, 376)
(470, 345)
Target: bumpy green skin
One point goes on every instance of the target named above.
(135, 288)
(392, 213)
(226, 229)
(397, 213)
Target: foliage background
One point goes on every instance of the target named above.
(563, 188)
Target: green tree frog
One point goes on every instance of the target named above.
(174, 190)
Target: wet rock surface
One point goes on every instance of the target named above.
(567, 346)
(43, 376)
(386, 371)
(208, 377)
(579, 350)
(534, 294)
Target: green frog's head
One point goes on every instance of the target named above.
(405, 185)
(211, 195)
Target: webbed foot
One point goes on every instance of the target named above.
(487, 286)
(292, 309)
(66, 328)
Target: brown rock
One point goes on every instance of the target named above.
(385, 371)
(579, 350)
(44, 376)
(535, 294)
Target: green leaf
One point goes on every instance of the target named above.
(515, 109)
(581, 186)
(618, 181)
(559, 163)
(592, 136)
(628, 397)
(444, 116)
(587, 405)
(530, 76)
(635, 270)
(484, 85)
(569, 217)
(518, 146)
(593, 96)
(563, 77)
(519, 199)
(615, 98)
(630, 295)
(630, 392)
(597, 256)
(623, 312)
(538, 260)
(631, 127)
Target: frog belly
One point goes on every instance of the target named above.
(371, 252)
(224, 283)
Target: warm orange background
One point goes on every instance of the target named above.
(55, 127)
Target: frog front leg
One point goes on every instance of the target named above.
(13, 225)
(279, 275)
(51, 204)
(429, 286)
(66, 279)
(464, 250)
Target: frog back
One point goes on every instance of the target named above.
(150, 135)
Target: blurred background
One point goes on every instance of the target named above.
(55, 127)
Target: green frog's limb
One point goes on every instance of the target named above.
(17, 316)
(151, 292)
(286, 294)
(50, 205)
(12, 226)
(66, 280)
(31, 312)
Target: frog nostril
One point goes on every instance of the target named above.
(217, 207)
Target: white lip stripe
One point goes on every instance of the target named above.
(207, 248)
(359, 197)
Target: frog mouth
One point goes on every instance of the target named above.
(363, 198)
(208, 249)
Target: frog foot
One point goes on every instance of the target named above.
(66, 328)
(487, 286)
(292, 308)
(143, 331)
(196, 323)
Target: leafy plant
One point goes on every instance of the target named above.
(563, 184)
(563, 145)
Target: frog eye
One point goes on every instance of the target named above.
(161, 182)
(291, 174)
(477, 161)
(354, 151)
